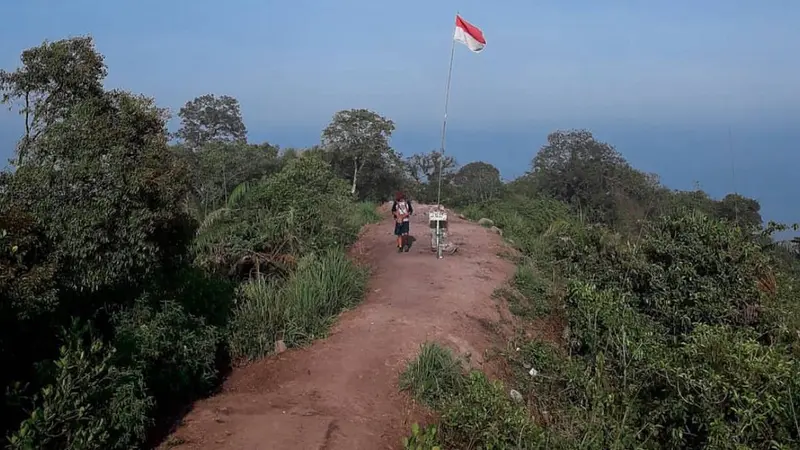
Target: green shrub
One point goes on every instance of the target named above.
(534, 294)
(107, 191)
(475, 412)
(676, 341)
(434, 375)
(91, 404)
(100, 224)
(723, 389)
(547, 377)
(298, 310)
(699, 270)
(603, 321)
(201, 294)
(483, 416)
(268, 224)
(320, 290)
(522, 219)
(175, 351)
(421, 439)
(364, 213)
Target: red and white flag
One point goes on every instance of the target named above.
(469, 35)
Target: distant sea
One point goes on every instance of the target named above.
(761, 163)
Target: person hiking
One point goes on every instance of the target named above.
(401, 210)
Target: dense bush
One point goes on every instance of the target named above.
(521, 218)
(433, 376)
(484, 416)
(677, 337)
(476, 412)
(268, 224)
(133, 271)
(297, 310)
(121, 255)
(174, 350)
(679, 320)
(422, 439)
(90, 404)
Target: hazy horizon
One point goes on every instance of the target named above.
(660, 150)
(662, 82)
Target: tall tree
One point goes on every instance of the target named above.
(576, 168)
(424, 167)
(477, 182)
(209, 118)
(355, 137)
(107, 191)
(53, 78)
(218, 167)
(381, 178)
(739, 209)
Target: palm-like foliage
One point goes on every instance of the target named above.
(266, 225)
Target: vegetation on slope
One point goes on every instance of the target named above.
(678, 313)
(475, 412)
(136, 270)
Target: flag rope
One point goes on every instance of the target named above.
(444, 122)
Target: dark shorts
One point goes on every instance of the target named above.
(400, 228)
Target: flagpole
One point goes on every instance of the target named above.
(444, 122)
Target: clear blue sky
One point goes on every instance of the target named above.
(661, 80)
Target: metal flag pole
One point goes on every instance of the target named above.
(444, 122)
(440, 216)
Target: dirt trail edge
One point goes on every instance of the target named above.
(341, 392)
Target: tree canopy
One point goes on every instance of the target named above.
(209, 118)
(53, 78)
(358, 137)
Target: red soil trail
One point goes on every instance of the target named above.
(341, 392)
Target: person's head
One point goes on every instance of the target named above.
(399, 196)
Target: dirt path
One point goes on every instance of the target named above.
(341, 393)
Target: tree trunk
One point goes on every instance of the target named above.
(355, 177)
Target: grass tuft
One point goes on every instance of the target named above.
(434, 375)
(297, 310)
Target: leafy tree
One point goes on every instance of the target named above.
(106, 326)
(382, 177)
(53, 78)
(697, 200)
(94, 232)
(269, 223)
(175, 351)
(218, 167)
(209, 118)
(91, 404)
(355, 138)
(107, 191)
(524, 186)
(477, 182)
(29, 292)
(739, 209)
(590, 175)
(288, 154)
(424, 167)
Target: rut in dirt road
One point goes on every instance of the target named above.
(341, 392)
